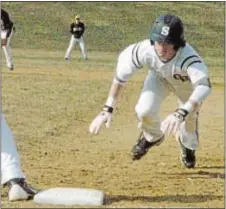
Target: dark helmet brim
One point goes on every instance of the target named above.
(161, 38)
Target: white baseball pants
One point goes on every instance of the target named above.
(154, 91)
(80, 42)
(10, 161)
(7, 48)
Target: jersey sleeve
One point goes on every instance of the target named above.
(131, 60)
(192, 64)
(7, 23)
(83, 28)
(71, 28)
(197, 72)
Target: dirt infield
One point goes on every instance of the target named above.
(50, 109)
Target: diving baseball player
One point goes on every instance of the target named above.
(174, 66)
(7, 30)
(11, 174)
(77, 30)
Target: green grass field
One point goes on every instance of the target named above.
(49, 104)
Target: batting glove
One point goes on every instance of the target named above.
(172, 123)
(105, 116)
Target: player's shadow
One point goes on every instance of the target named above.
(209, 167)
(165, 198)
(199, 174)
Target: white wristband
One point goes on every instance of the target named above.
(188, 106)
(110, 102)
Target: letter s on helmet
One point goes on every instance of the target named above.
(168, 28)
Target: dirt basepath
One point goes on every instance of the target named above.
(57, 150)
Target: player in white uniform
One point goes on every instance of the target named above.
(11, 173)
(174, 66)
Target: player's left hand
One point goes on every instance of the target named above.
(172, 123)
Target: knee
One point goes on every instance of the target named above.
(144, 111)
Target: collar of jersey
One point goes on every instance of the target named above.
(169, 59)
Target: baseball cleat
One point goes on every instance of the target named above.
(66, 58)
(142, 146)
(187, 156)
(20, 190)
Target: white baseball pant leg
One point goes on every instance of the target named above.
(188, 132)
(7, 48)
(70, 47)
(154, 91)
(82, 47)
(10, 161)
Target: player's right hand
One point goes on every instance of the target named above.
(103, 117)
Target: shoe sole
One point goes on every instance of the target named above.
(184, 164)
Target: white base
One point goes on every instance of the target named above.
(70, 196)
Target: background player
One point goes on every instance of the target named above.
(77, 30)
(7, 30)
(174, 66)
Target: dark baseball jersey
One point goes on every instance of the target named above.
(77, 29)
(6, 23)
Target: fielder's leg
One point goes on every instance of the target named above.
(6, 46)
(82, 47)
(11, 173)
(10, 162)
(153, 93)
(69, 49)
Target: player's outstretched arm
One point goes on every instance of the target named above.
(129, 61)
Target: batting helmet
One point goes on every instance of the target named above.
(168, 28)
